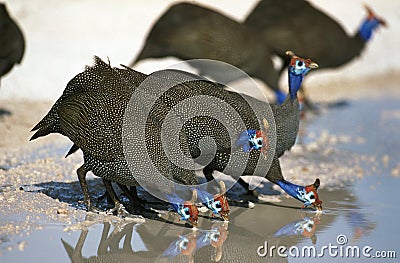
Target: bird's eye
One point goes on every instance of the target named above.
(215, 237)
(312, 196)
(184, 245)
(300, 64)
(260, 142)
(218, 205)
(187, 212)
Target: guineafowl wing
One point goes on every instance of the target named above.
(92, 123)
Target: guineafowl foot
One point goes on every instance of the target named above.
(139, 210)
(82, 181)
(251, 192)
(246, 186)
(92, 208)
(119, 209)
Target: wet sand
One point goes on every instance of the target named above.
(39, 189)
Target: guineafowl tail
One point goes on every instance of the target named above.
(73, 149)
(49, 124)
(81, 83)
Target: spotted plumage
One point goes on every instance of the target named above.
(287, 119)
(90, 112)
(82, 108)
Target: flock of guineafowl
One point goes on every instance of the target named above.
(91, 110)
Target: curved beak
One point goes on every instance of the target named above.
(313, 65)
(318, 206)
(290, 53)
(371, 14)
(382, 22)
(225, 217)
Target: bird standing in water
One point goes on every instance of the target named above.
(90, 112)
(287, 119)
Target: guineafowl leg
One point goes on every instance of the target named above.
(82, 181)
(208, 173)
(138, 207)
(245, 186)
(274, 174)
(118, 206)
(132, 196)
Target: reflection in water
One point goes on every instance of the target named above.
(134, 247)
(360, 224)
(189, 243)
(108, 247)
(305, 227)
(164, 241)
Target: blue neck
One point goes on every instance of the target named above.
(295, 81)
(291, 189)
(280, 97)
(367, 28)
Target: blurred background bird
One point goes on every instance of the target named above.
(12, 42)
(299, 26)
(189, 31)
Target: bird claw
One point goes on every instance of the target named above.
(120, 209)
(93, 209)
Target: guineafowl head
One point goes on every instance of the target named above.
(218, 203)
(308, 195)
(298, 68)
(369, 24)
(186, 209)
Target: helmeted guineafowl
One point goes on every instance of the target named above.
(189, 31)
(297, 25)
(91, 113)
(287, 118)
(12, 42)
(94, 80)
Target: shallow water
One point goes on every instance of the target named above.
(360, 214)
